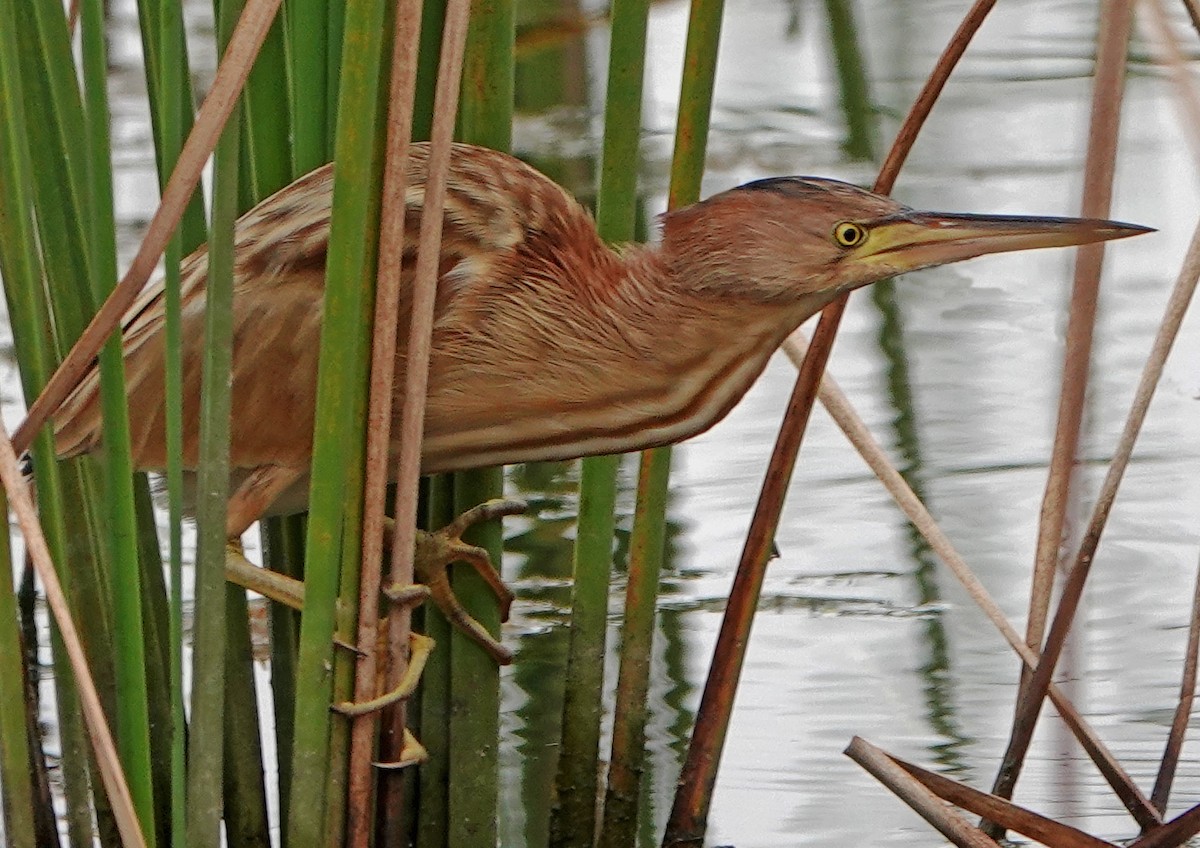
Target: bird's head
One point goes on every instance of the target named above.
(804, 239)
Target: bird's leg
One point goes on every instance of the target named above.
(436, 551)
(249, 501)
(433, 555)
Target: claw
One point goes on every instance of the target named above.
(419, 649)
(436, 551)
(412, 753)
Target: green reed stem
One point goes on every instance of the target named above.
(853, 88)
(267, 159)
(283, 537)
(336, 495)
(245, 810)
(485, 119)
(616, 216)
(573, 819)
(206, 742)
(432, 711)
(283, 551)
(433, 816)
(170, 143)
(133, 720)
(266, 121)
(687, 170)
(308, 47)
(21, 267)
(433, 19)
(169, 84)
(19, 798)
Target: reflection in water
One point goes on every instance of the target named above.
(939, 686)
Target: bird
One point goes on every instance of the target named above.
(547, 343)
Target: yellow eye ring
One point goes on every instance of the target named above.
(849, 234)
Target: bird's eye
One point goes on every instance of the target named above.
(849, 234)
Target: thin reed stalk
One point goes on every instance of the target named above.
(693, 797)
(170, 98)
(1183, 711)
(21, 264)
(572, 820)
(265, 166)
(306, 142)
(245, 795)
(316, 805)
(1029, 707)
(206, 742)
(168, 83)
(361, 779)
(485, 119)
(950, 823)
(133, 720)
(16, 757)
(687, 171)
(1116, 24)
(925, 790)
(308, 51)
(433, 817)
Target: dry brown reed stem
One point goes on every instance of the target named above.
(1099, 168)
(1177, 305)
(1193, 11)
(948, 821)
(906, 136)
(361, 776)
(416, 374)
(693, 797)
(1183, 711)
(1174, 833)
(227, 85)
(1116, 18)
(1169, 52)
(454, 38)
(107, 759)
(842, 412)
(1037, 827)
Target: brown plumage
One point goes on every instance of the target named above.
(547, 343)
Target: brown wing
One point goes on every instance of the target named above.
(494, 202)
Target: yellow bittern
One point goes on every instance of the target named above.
(547, 343)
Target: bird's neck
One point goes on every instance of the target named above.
(700, 350)
(623, 356)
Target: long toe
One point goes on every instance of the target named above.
(436, 551)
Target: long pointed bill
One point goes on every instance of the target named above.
(910, 240)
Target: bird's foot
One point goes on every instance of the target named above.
(432, 558)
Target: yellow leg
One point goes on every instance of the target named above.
(270, 584)
(432, 558)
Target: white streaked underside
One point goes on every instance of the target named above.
(670, 412)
